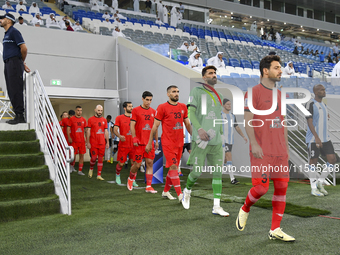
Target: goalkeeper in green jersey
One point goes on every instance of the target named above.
(205, 106)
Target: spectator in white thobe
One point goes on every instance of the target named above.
(115, 4)
(289, 69)
(174, 17)
(136, 5)
(165, 14)
(117, 33)
(159, 22)
(34, 8)
(195, 61)
(95, 7)
(193, 47)
(21, 7)
(77, 26)
(7, 6)
(106, 15)
(37, 20)
(160, 10)
(253, 27)
(184, 46)
(51, 21)
(217, 61)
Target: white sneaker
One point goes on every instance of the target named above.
(316, 193)
(321, 188)
(241, 220)
(186, 198)
(80, 173)
(168, 195)
(218, 210)
(279, 234)
(180, 197)
(72, 169)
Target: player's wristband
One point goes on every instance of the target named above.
(135, 140)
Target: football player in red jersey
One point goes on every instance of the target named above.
(141, 123)
(268, 148)
(76, 137)
(97, 138)
(122, 131)
(172, 114)
(63, 115)
(65, 123)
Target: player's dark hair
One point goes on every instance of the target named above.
(204, 70)
(61, 116)
(109, 117)
(225, 100)
(78, 106)
(267, 61)
(146, 94)
(125, 104)
(170, 87)
(71, 112)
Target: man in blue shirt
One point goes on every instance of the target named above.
(322, 57)
(14, 55)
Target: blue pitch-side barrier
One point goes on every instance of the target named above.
(158, 165)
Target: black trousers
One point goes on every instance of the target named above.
(14, 71)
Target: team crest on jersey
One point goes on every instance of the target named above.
(182, 111)
(147, 127)
(178, 126)
(211, 115)
(152, 115)
(276, 123)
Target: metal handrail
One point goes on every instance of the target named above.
(53, 143)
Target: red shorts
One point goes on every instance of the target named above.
(79, 148)
(139, 153)
(270, 167)
(172, 155)
(95, 151)
(123, 153)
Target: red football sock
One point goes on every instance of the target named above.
(92, 162)
(175, 181)
(118, 169)
(278, 202)
(99, 166)
(254, 194)
(148, 179)
(168, 183)
(133, 176)
(81, 167)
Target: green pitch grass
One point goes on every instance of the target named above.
(109, 219)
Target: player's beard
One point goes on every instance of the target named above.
(211, 81)
(128, 111)
(174, 99)
(98, 114)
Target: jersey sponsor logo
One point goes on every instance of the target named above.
(146, 127)
(79, 130)
(211, 115)
(129, 133)
(178, 126)
(100, 131)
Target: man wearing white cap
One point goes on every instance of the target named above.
(289, 69)
(34, 8)
(14, 55)
(21, 7)
(37, 20)
(117, 33)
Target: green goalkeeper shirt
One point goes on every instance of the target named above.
(213, 111)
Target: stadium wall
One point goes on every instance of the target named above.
(79, 60)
